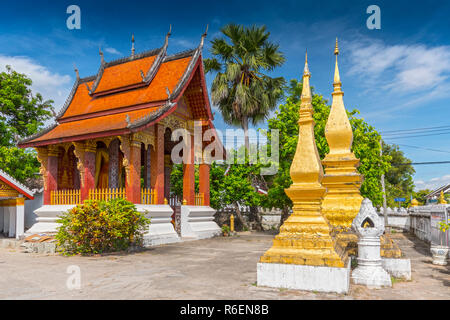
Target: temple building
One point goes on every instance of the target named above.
(112, 138)
(114, 131)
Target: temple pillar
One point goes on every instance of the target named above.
(90, 149)
(204, 183)
(157, 162)
(42, 156)
(113, 176)
(134, 173)
(20, 218)
(147, 167)
(167, 173)
(204, 163)
(189, 173)
(52, 173)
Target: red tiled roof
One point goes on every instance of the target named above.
(168, 75)
(144, 87)
(125, 74)
(95, 125)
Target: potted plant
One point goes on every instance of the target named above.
(440, 253)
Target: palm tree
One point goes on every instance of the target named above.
(241, 90)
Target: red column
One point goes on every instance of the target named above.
(134, 180)
(157, 164)
(90, 150)
(204, 182)
(189, 175)
(52, 174)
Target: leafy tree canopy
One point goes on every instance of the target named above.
(21, 114)
(399, 177)
(241, 89)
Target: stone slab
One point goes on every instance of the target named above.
(197, 222)
(398, 268)
(302, 277)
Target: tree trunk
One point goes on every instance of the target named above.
(256, 217)
(240, 217)
(284, 215)
(246, 137)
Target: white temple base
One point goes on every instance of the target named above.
(160, 230)
(197, 222)
(398, 268)
(371, 276)
(302, 277)
(46, 219)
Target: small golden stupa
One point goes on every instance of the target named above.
(305, 238)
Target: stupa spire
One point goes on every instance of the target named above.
(342, 180)
(337, 79)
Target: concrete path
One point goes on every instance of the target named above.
(220, 268)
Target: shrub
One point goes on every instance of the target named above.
(100, 226)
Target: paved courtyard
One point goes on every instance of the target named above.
(220, 268)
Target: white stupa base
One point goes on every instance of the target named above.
(302, 277)
(371, 276)
(398, 268)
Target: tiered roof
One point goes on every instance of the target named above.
(128, 95)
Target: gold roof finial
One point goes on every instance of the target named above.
(132, 45)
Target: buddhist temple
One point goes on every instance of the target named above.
(112, 138)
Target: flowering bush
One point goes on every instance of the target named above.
(100, 226)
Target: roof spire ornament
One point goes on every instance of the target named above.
(204, 36)
(132, 46)
(101, 55)
(76, 72)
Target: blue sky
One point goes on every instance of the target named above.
(398, 76)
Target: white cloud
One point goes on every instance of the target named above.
(50, 85)
(400, 68)
(433, 183)
(113, 51)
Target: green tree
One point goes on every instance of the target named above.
(241, 89)
(366, 146)
(21, 114)
(420, 195)
(216, 174)
(399, 178)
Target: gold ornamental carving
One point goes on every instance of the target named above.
(6, 191)
(42, 156)
(125, 147)
(79, 154)
(145, 138)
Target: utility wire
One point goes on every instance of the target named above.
(429, 149)
(419, 163)
(417, 129)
